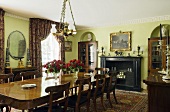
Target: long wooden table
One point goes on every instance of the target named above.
(24, 99)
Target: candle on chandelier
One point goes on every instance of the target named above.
(160, 32)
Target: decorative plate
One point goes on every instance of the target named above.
(28, 85)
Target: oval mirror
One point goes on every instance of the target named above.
(16, 44)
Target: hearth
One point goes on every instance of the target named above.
(128, 71)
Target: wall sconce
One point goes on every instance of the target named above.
(103, 51)
(139, 50)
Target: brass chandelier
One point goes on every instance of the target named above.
(63, 29)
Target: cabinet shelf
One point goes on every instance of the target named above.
(156, 59)
(88, 53)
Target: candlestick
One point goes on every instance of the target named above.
(160, 32)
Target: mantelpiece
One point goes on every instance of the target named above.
(129, 66)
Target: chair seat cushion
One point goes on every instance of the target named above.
(73, 99)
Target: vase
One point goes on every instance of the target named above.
(76, 73)
(56, 75)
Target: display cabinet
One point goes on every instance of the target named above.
(87, 53)
(156, 55)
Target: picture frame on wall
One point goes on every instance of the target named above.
(120, 41)
(68, 46)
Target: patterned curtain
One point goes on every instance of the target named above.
(2, 38)
(39, 30)
(61, 41)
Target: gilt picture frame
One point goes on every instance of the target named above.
(68, 46)
(120, 41)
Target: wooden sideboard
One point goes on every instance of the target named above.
(130, 67)
(158, 93)
(17, 71)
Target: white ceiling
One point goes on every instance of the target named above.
(89, 13)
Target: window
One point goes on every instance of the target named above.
(50, 49)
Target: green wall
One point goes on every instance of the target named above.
(12, 24)
(140, 34)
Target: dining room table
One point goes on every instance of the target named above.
(30, 93)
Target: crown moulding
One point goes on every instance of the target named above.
(134, 21)
(145, 20)
(15, 16)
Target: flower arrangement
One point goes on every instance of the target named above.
(54, 66)
(74, 65)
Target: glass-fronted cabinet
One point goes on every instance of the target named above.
(88, 55)
(156, 55)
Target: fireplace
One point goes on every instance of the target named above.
(128, 71)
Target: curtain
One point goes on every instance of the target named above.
(39, 30)
(2, 12)
(61, 41)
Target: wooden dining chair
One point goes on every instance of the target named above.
(112, 84)
(83, 96)
(57, 95)
(98, 90)
(5, 78)
(28, 75)
(110, 87)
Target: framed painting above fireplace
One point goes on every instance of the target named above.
(120, 41)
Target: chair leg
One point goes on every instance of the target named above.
(108, 97)
(94, 102)
(88, 105)
(115, 97)
(102, 102)
(77, 108)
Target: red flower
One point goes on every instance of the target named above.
(54, 66)
(75, 65)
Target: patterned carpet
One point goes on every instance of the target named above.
(128, 101)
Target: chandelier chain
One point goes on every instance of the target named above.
(63, 28)
(72, 14)
(63, 13)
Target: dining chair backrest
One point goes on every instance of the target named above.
(101, 70)
(114, 76)
(98, 90)
(84, 85)
(4, 78)
(58, 94)
(29, 74)
(111, 83)
(108, 83)
(81, 97)
(100, 83)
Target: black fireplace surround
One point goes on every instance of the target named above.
(128, 70)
